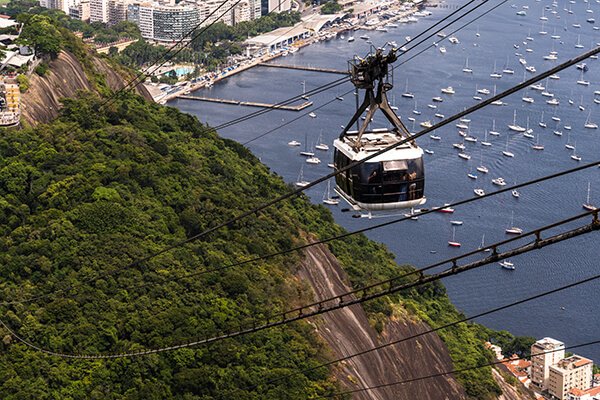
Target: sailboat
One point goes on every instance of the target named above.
(528, 99)
(542, 123)
(507, 265)
(505, 152)
(327, 197)
(453, 242)
(588, 205)
(393, 106)
(493, 131)
(568, 145)
(497, 102)
(512, 229)
(320, 145)
(514, 126)
(485, 142)
(578, 45)
(406, 93)
(306, 152)
(482, 245)
(313, 160)
(583, 82)
(542, 30)
(574, 156)
(495, 73)
(537, 145)
(304, 96)
(300, 182)
(528, 131)
(589, 124)
(482, 168)
(507, 69)
(466, 69)
(415, 111)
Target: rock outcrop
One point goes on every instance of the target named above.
(347, 331)
(65, 78)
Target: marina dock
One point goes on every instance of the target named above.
(298, 107)
(305, 68)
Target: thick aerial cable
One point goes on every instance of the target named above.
(340, 81)
(298, 191)
(330, 239)
(433, 330)
(389, 288)
(294, 119)
(440, 124)
(393, 67)
(344, 394)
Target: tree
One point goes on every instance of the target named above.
(23, 82)
(331, 7)
(39, 32)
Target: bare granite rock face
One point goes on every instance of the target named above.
(64, 79)
(347, 331)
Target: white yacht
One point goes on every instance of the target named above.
(514, 126)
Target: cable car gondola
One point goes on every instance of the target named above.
(391, 180)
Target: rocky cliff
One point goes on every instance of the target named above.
(66, 76)
(347, 331)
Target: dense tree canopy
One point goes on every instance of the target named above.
(40, 32)
(77, 201)
(96, 189)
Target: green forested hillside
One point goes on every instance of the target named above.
(94, 191)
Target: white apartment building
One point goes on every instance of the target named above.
(80, 11)
(211, 10)
(277, 6)
(163, 23)
(99, 11)
(574, 372)
(62, 5)
(117, 11)
(545, 353)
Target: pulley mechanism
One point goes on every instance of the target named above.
(391, 180)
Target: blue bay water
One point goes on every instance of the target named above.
(423, 242)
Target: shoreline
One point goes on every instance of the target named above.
(208, 79)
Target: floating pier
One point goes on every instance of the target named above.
(304, 68)
(298, 107)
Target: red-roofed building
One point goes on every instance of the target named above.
(574, 372)
(589, 394)
(519, 368)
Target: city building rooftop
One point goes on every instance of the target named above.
(572, 362)
(548, 342)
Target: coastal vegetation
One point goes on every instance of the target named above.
(209, 50)
(331, 7)
(83, 197)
